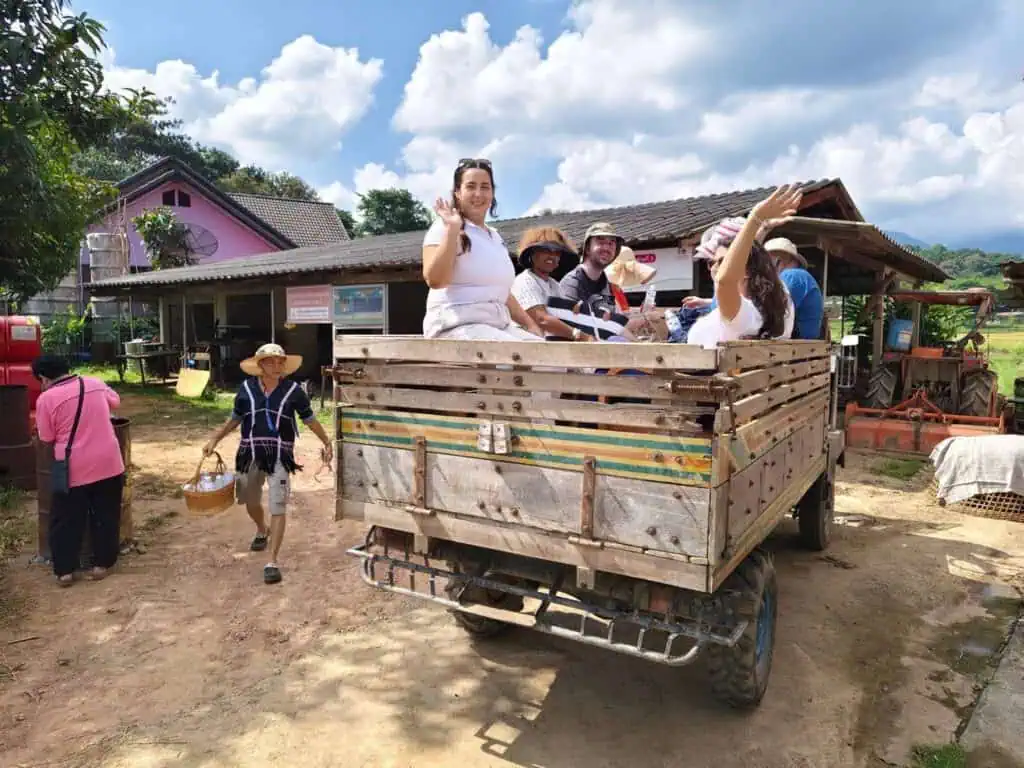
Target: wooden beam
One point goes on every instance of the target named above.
(526, 353)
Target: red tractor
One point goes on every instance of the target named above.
(918, 396)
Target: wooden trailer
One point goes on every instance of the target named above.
(615, 494)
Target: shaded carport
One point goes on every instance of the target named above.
(255, 288)
(855, 258)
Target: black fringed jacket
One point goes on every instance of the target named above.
(269, 425)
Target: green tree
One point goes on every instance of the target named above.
(149, 136)
(256, 181)
(348, 221)
(387, 211)
(52, 105)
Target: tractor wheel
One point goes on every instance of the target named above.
(739, 675)
(815, 512)
(481, 626)
(882, 387)
(978, 392)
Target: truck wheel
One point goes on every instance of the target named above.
(482, 626)
(739, 675)
(815, 512)
(882, 387)
(978, 392)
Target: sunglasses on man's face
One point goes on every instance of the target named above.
(474, 162)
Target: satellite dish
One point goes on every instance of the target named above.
(200, 240)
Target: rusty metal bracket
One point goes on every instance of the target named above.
(587, 499)
(420, 472)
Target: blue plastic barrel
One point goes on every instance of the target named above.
(900, 333)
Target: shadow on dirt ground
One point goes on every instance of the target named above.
(185, 659)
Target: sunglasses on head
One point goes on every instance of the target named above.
(474, 162)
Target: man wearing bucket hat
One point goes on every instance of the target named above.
(543, 253)
(588, 282)
(268, 409)
(802, 287)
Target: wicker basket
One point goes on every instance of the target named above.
(210, 502)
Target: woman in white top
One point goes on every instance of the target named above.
(468, 267)
(543, 253)
(752, 302)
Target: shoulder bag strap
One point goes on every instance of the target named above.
(78, 415)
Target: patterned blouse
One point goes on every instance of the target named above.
(269, 424)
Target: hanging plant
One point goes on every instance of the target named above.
(165, 238)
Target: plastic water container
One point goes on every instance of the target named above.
(900, 333)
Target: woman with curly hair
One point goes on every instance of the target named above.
(544, 252)
(468, 267)
(750, 299)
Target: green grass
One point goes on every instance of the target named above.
(946, 756)
(1006, 355)
(1005, 348)
(898, 469)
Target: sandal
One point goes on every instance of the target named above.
(271, 574)
(98, 574)
(66, 580)
(259, 542)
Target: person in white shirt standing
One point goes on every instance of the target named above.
(543, 252)
(750, 299)
(468, 267)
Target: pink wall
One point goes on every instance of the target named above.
(235, 240)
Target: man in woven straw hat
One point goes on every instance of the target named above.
(268, 408)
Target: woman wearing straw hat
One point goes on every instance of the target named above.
(267, 408)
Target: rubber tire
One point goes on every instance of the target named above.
(481, 626)
(882, 387)
(737, 679)
(977, 391)
(815, 512)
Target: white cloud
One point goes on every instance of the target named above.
(464, 79)
(299, 108)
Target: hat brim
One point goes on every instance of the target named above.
(566, 261)
(251, 365)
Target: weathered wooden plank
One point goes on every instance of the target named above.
(529, 406)
(754, 406)
(743, 498)
(739, 355)
(533, 543)
(762, 527)
(760, 379)
(675, 388)
(661, 356)
(669, 459)
(751, 440)
(651, 515)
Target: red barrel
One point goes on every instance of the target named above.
(21, 339)
(21, 374)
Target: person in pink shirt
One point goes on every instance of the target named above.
(95, 467)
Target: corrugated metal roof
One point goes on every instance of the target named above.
(867, 240)
(304, 222)
(639, 224)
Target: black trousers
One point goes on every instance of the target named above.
(98, 506)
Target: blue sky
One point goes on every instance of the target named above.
(917, 106)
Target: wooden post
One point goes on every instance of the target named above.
(877, 342)
(273, 319)
(915, 334)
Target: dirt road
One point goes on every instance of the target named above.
(184, 658)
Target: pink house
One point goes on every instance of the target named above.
(223, 225)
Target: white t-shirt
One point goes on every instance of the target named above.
(531, 290)
(483, 276)
(712, 328)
